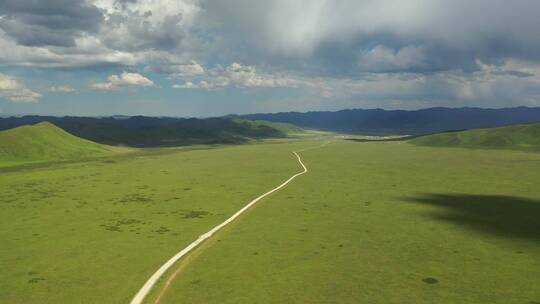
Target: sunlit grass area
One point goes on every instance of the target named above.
(381, 223)
(96, 229)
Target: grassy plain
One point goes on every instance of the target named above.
(93, 231)
(386, 222)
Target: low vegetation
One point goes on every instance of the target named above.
(95, 230)
(373, 222)
(381, 222)
(510, 137)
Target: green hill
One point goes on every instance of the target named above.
(283, 127)
(45, 141)
(510, 137)
(141, 131)
(152, 132)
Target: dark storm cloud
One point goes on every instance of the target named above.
(350, 36)
(312, 37)
(48, 23)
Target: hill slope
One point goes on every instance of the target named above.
(140, 131)
(283, 127)
(45, 141)
(511, 137)
(417, 122)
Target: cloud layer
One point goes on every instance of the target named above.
(445, 34)
(48, 23)
(239, 76)
(61, 89)
(379, 53)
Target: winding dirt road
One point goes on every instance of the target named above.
(143, 292)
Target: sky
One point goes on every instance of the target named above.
(201, 58)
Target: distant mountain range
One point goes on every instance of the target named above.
(416, 122)
(142, 131)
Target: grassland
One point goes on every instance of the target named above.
(382, 223)
(386, 222)
(525, 137)
(92, 231)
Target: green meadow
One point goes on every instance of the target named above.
(92, 231)
(381, 223)
(371, 222)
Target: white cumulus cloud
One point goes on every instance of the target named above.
(14, 91)
(126, 79)
(241, 76)
(181, 70)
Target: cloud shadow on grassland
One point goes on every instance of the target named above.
(506, 216)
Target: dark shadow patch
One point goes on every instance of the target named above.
(194, 214)
(506, 216)
(430, 281)
(113, 228)
(116, 225)
(35, 280)
(162, 230)
(135, 198)
(382, 138)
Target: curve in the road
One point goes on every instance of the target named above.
(143, 292)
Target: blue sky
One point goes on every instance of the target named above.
(207, 58)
